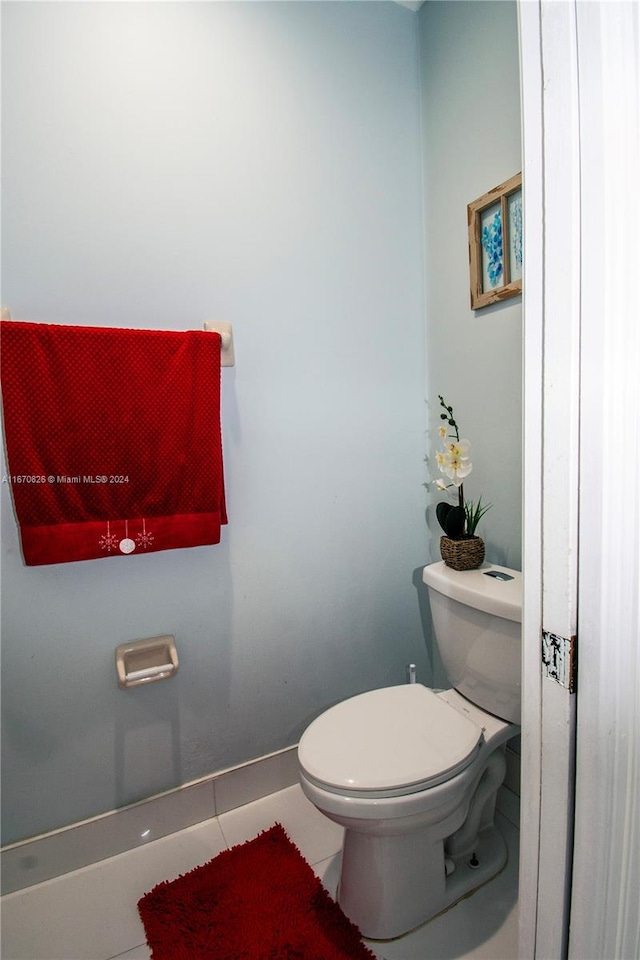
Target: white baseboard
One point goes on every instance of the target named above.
(50, 855)
(70, 848)
(508, 804)
(508, 800)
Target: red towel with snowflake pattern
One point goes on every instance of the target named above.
(113, 439)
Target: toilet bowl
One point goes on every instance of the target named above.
(412, 774)
(399, 768)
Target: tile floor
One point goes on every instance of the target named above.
(91, 914)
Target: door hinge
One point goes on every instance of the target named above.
(560, 659)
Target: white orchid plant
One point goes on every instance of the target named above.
(459, 520)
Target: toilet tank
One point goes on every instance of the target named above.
(477, 618)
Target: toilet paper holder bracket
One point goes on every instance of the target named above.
(144, 661)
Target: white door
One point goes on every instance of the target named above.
(605, 904)
(581, 127)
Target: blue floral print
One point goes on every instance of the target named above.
(517, 231)
(492, 244)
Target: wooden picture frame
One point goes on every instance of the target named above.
(495, 244)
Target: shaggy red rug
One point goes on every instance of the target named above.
(257, 901)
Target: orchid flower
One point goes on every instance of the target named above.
(454, 461)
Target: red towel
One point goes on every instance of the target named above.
(113, 439)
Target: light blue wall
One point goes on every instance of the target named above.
(258, 163)
(470, 83)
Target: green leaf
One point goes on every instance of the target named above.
(441, 513)
(474, 513)
(455, 522)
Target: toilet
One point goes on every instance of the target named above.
(412, 773)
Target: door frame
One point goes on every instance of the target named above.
(551, 377)
(581, 751)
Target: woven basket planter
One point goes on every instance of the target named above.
(467, 554)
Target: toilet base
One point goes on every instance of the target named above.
(387, 904)
(490, 856)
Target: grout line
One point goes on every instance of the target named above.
(224, 836)
(136, 946)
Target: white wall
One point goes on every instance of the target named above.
(168, 163)
(471, 117)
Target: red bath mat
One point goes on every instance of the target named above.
(257, 901)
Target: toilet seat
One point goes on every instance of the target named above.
(390, 742)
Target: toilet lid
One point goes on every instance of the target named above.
(393, 741)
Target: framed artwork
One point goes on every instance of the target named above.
(495, 244)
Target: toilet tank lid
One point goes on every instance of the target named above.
(480, 588)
